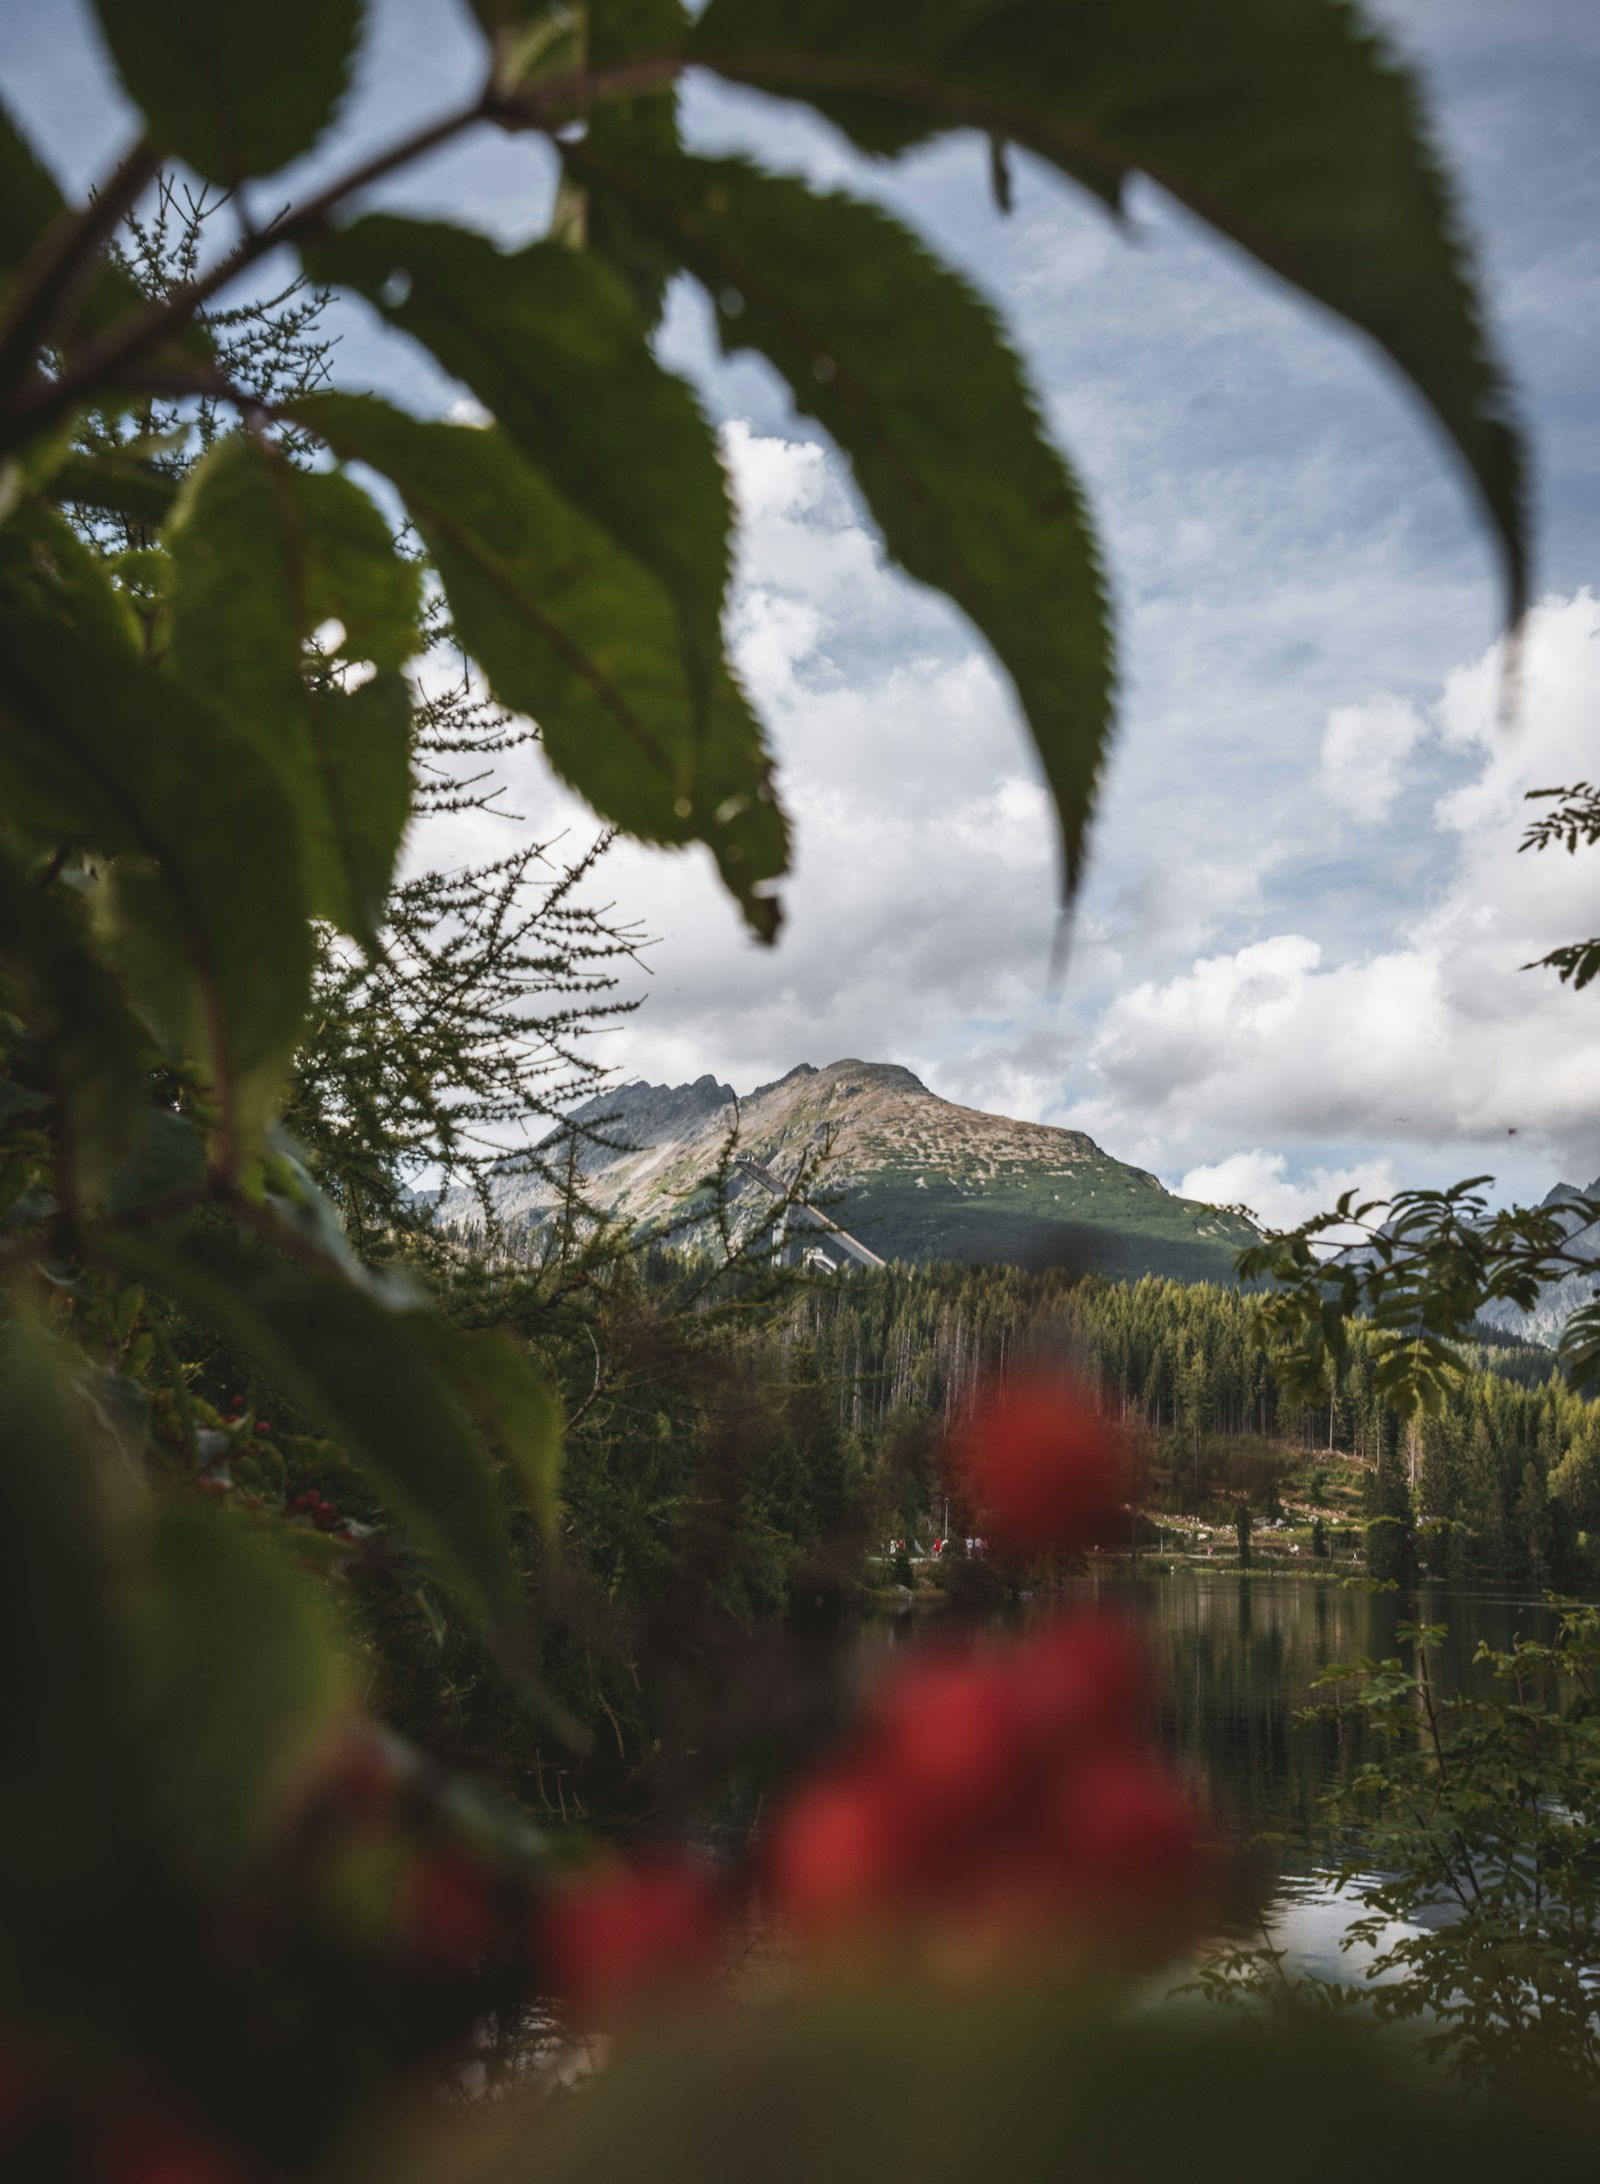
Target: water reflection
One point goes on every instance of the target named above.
(1237, 1657)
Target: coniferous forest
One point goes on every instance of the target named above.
(1502, 1482)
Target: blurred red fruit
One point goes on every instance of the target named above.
(613, 1937)
(448, 1918)
(146, 2142)
(1079, 1685)
(845, 1849)
(1041, 1466)
(948, 1741)
(1122, 1825)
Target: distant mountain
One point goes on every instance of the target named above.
(910, 1175)
(1557, 1300)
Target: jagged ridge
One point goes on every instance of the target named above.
(915, 1177)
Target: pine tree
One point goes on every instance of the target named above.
(1391, 1526)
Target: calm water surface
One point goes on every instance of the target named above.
(1238, 1656)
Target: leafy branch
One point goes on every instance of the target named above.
(1419, 1270)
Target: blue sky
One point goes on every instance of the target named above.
(1296, 958)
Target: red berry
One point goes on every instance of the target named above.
(845, 1850)
(1041, 1466)
(146, 2141)
(263, 1425)
(1079, 1687)
(448, 1917)
(948, 1742)
(611, 1937)
(1122, 1825)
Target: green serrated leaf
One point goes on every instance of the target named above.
(578, 635)
(203, 911)
(168, 1156)
(224, 90)
(94, 1048)
(910, 373)
(263, 554)
(1285, 124)
(48, 573)
(238, 1686)
(361, 742)
(118, 485)
(551, 343)
(621, 31)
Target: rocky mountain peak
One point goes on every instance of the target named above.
(913, 1176)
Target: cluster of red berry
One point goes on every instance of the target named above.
(320, 1511)
(121, 2135)
(1002, 1798)
(620, 1934)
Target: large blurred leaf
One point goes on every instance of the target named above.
(92, 1046)
(264, 553)
(495, 1377)
(47, 570)
(361, 1361)
(910, 373)
(207, 916)
(645, 121)
(120, 485)
(57, 1706)
(551, 342)
(238, 1685)
(1284, 123)
(228, 89)
(29, 199)
(577, 634)
(863, 2082)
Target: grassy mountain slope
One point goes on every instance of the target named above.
(915, 1177)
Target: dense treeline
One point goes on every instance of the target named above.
(1501, 1483)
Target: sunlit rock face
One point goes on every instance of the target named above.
(913, 1176)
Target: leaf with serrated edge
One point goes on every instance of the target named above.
(499, 1383)
(909, 371)
(578, 635)
(1286, 124)
(263, 554)
(239, 1686)
(222, 90)
(205, 914)
(363, 1367)
(551, 343)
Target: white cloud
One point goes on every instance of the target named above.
(1364, 754)
(1438, 1039)
(1261, 1181)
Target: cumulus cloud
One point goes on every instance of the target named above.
(1305, 911)
(923, 891)
(1261, 1181)
(1439, 1038)
(1364, 754)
